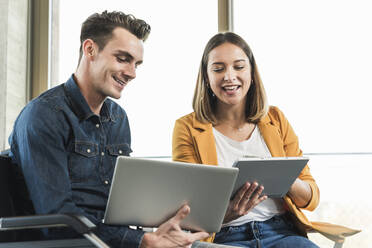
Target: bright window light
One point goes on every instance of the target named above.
(315, 61)
(163, 89)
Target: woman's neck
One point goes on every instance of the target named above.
(232, 122)
(234, 115)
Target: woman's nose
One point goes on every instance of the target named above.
(229, 76)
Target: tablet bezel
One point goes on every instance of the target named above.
(276, 174)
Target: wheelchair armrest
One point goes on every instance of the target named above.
(79, 223)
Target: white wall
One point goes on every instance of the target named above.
(13, 64)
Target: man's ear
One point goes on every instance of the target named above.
(89, 48)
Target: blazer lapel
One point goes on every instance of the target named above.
(204, 142)
(271, 135)
(205, 145)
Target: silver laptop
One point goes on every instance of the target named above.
(148, 192)
(276, 174)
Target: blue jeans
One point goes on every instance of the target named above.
(277, 232)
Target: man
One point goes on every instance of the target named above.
(67, 139)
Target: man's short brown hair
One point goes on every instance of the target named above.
(99, 27)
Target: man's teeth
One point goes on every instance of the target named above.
(119, 81)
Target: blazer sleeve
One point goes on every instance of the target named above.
(183, 145)
(184, 148)
(291, 148)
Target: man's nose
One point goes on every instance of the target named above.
(130, 71)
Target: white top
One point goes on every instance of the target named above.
(228, 151)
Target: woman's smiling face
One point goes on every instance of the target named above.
(229, 73)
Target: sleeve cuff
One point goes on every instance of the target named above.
(132, 238)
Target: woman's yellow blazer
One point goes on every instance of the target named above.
(193, 142)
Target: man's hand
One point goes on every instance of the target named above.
(170, 234)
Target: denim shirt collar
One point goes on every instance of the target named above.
(80, 106)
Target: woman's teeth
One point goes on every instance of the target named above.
(230, 87)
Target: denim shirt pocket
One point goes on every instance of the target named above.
(87, 149)
(114, 151)
(119, 149)
(83, 162)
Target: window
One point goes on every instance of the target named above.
(315, 61)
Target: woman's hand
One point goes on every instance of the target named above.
(247, 197)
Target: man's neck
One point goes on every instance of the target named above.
(94, 100)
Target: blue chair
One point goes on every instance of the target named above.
(19, 226)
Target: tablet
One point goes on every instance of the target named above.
(276, 174)
(148, 192)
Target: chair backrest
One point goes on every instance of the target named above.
(6, 202)
(14, 200)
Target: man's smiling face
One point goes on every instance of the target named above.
(115, 65)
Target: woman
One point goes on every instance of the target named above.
(231, 119)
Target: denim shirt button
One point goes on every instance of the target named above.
(120, 151)
(102, 154)
(97, 125)
(88, 150)
(106, 182)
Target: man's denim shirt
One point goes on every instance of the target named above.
(67, 155)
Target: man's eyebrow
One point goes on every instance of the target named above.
(123, 53)
(128, 55)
